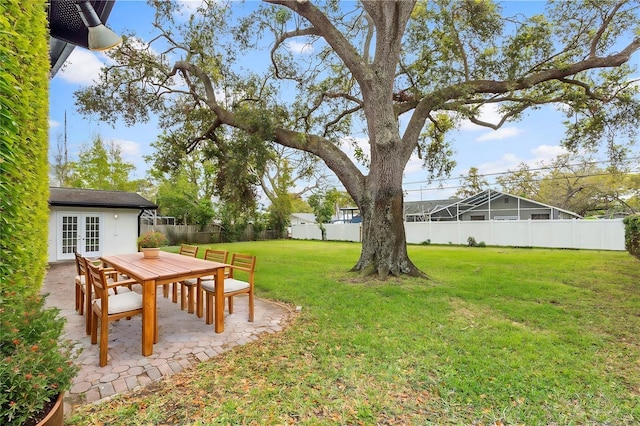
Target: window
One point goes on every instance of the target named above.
(540, 216)
(477, 217)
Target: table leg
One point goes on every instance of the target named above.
(219, 302)
(148, 317)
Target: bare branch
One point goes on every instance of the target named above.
(280, 40)
(602, 29)
(340, 44)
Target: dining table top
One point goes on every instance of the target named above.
(165, 268)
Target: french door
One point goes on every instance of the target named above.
(81, 232)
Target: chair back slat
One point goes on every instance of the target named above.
(219, 256)
(96, 278)
(243, 262)
(80, 265)
(188, 250)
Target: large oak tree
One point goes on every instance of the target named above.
(407, 72)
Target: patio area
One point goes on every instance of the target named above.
(184, 339)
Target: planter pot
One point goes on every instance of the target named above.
(56, 415)
(151, 253)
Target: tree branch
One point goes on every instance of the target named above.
(603, 27)
(340, 44)
(466, 90)
(280, 40)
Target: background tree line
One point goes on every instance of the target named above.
(188, 191)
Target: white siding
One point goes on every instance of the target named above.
(118, 235)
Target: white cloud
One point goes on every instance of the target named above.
(510, 161)
(189, 7)
(301, 48)
(502, 133)
(129, 148)
(53, 124)
(505, 162)
(547, 152)
(81, 67)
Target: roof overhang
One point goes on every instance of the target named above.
(77, 197)
(68, 30)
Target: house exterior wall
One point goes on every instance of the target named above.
(117, 235)
(301, 219)
(503, 207)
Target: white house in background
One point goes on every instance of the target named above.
(486, 205)
(94, 223)
(302, 218)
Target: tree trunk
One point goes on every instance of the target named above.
(384, 244)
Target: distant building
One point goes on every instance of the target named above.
(486, 205)
(302, 218)
(93, 223)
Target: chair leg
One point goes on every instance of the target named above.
(155, 329)
(230, 304)
(104, 342)
(190, 299)
(80, 301)
(77, 298)
(174, 297)
(209, 312)
(250, 307)
(88, 318)
(199, 300)
(94, 328)
(183, 297)
(165, 290)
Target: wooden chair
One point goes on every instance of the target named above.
(81, 283)
(84, 293)
(232, 286)
(188, 286)
(107, 308)
(185, 250)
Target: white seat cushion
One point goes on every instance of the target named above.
(208, 285)
(123, 302)
(190, 281)
(230, 285)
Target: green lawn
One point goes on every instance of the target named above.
(518, 336)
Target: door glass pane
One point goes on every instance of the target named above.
(92, 234)
(69, 234)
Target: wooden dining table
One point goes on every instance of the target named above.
(165, 269)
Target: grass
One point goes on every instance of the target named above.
(496, 335)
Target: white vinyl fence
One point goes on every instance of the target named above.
(603, 234)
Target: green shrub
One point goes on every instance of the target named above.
(36, 365)
(471, 242)
(632, 235)
(152, 239)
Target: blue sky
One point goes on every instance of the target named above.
(535, 138)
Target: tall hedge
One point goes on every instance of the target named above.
(632, 234)
(24, 128)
